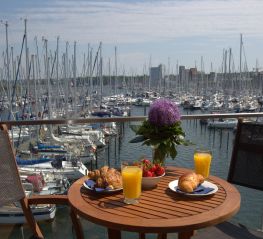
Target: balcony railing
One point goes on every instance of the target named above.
(91, 120)
(125, 119)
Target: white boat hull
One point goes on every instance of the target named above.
(15, 215)
(222, 124)
(70, 172)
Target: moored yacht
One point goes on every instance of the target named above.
(226, 123)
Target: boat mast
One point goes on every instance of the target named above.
(57, 66)
(91, 72)
(13, 66)
(168, 73)
(66, 79)
(75, 80)
(37, 78)
(166, 76)
(240, 61)
(38, 61)
(177, 76)
(150, 65)
(144, 78)
(229, 70)
(101, 78)
(110, 77)
(116, 73)
(34, 67)
(47, 77)
(27, 62)
(161, 78)
(7, 66)
(87, 71)
(202, 77)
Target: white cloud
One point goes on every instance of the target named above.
(129, 59)
(134, 23)
(146, 21)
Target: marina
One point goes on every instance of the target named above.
(71, 150)
(219, 141)
(71, 111)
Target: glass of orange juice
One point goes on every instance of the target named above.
(131, 182)
(202, 161)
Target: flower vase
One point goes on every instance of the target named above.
(158, 156)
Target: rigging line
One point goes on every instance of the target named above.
(94, 65)
(95, 61)
(3, 89)
(17, 72)
(89, 63)
(23, 111)
(245, 64)
(53, 65)
(52, 70)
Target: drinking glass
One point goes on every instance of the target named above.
(131, 182)
(202, 161)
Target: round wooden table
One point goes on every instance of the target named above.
(160, 210)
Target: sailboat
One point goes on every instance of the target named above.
(69, 169)
(13, 213)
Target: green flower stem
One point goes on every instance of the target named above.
(158, 156)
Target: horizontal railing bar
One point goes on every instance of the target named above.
(124, 119)
(225, 115)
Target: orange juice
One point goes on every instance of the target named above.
(131, 181)
(202, 162)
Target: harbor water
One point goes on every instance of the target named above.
(220, 142)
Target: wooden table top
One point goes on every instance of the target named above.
(160, 210)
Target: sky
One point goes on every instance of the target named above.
(146, 33)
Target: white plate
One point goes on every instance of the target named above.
(98, 190)
(174, 186)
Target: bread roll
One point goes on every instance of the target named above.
(189, 182)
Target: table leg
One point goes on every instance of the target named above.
(142, 235)
(185, 235)
(162, 236)
(114, 234)
(76, 224)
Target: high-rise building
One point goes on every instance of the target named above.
(181, 76)
(181, 72)
(156, 75)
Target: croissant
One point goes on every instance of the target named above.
(94, 175)
(113, 178)
(103, 171)
(106, 177)
(189, 182)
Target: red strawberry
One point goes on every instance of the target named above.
(159, 171)
(146, 167)
(153, 168)
(147, 174)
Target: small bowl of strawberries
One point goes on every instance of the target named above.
(152, 174)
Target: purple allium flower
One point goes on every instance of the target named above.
(163, 112)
